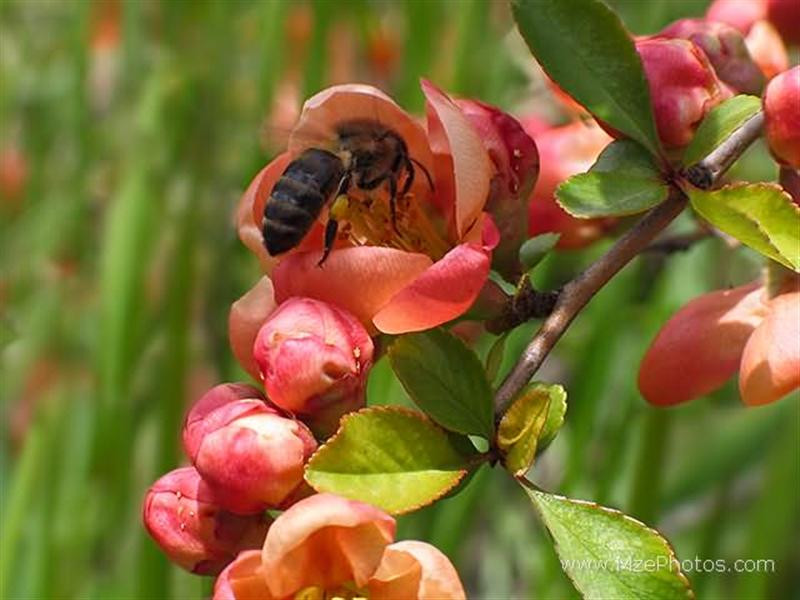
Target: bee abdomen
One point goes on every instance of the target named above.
(298, 197)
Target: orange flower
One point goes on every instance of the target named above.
(715, 335)
(425, 269)
(326, 546)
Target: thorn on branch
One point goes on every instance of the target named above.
(528, 303)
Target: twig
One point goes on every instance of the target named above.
(527, 303)
(577, 293)
(705, 173)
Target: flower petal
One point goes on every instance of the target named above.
(415, 570)
(334, 105)
(360, 279)
(243, 579)
(771, 359)
(451, 133)
(247, 316)
(442, 293)
(700, 347)
(325, 540)
(251, 208)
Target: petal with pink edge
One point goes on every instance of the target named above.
(441, 293)
(325, 540)
(472, 167)
(771, 359)
(349, 102)
(247, 316)
(360, 279)
(700, 347)
(415, 570)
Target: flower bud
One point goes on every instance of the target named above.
(767, 49)
(314, 359)
(254, 460)
(219, 406)
(247, 316)
(700, 347)
(565, 151)
(516, 163)
(785, 16)
(782, 117)
(770, 366)
(182, 515)
(683, 87)
(726, 50)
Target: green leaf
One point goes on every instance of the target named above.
(623, 181)
(760, 215)
(391, 457)
(533, 250)
(608, 554)
(584, 47)
(719, 124)
(445, 379)
(494, 359)
(530, 424)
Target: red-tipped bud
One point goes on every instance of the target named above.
(726, 50)
(683, 87)
(182, 515)
(767, 49)
(700, 347)
(247, 316)
(565, 151)
(252, 460)
(13, 175)
(216, 408)
(314, 359)
(785, 16)
(782, 117)
(516, 162)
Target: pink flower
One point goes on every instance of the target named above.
(314, 359)
(782, 117)
(715, 335)
(516, 167)
(428, 268)
(767, 49)
(183, 516)
(326, 546)
(249, 454)
(246, 317)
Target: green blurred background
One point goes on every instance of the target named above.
(128, 130)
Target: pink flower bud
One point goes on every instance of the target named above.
(741, 14)
(782, 117)
(183, 516)
(726, 50)
(683, 87)
(314, 359)
(255, 460)
(219, 406)
(516, 163)
(785, 16)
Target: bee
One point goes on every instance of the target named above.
(367, 155)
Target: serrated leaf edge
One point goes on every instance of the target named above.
(625, 213)
(613, 511)
(461, 473)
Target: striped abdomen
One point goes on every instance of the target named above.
(298, 197)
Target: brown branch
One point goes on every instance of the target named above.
(705, 173)
(577, 293)
(527, 303)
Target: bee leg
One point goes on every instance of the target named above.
(409, 167)
(331, 228)
(393, 201)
